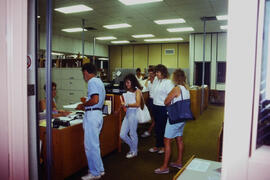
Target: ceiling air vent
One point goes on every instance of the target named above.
(169, 51)
(132, 41)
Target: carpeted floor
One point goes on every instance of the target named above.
(200, 139)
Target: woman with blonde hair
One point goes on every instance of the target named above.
(174, 131)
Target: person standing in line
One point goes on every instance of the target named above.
(132, 101)
(93, 121)
(174, 130)
(139, 75)
(149, 86)
(162, 87)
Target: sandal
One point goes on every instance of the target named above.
(164, 171)
(172, 164)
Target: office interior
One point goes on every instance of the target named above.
(234, 63)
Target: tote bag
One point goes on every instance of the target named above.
(143, 115)
(179, 111)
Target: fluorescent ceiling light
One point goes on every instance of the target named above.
(133, 2)
(104, 59)
(164, 39)
(170, 21)
(116, 26)
(73, 30)
(180, 29)
(225, 27)
(106, 38)
(143, 36)
(73, 9)
(119, 42)
(223, 17)
(57, 54)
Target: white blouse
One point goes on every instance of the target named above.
(130, 98)
(150, 88)
(161, 89)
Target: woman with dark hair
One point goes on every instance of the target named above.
(131, 100)
(161, 88)
(55, 111)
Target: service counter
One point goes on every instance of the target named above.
(68, 143)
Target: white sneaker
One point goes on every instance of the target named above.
(89, 176)
(145, 134)
(131, 155)
(101, 173)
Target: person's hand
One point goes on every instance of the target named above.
(65, 113)
(80, 107)
(83, 100)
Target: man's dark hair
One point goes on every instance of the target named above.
(151, 69)
(138, 70)
(134, 82)
(53, 85)
(90, 68)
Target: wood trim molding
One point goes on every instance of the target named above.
(14, 88)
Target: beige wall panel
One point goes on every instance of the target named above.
(115, 57)
(140, 56)
(127, 56)
(154, 54)
(183, 55)
(169, 60)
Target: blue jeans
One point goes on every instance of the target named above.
(128, 131)
(160, 116)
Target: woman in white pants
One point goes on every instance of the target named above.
(131, 102)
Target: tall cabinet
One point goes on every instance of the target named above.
(70, 85)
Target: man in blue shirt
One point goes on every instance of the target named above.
(93, 121)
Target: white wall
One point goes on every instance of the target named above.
(71, 45)
(215, 51)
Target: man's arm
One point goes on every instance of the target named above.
(94, 100)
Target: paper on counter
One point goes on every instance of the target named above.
(198, 165)
(71, 106)
(77, 121)
(65, 118)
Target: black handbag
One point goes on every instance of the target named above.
(179, 111)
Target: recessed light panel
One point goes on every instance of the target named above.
(106, 38)
(74, 9)
(170, 21)
(164, 39)
(222, 18)
(143, 36)
(116, 26)
(225, 27)
(120, 42)
(134, 2)
(184, 29)
(73, 30)
(104, 59)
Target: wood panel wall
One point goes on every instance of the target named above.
(134, 56)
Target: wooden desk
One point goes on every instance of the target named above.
(196, 100)
(68, 146)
